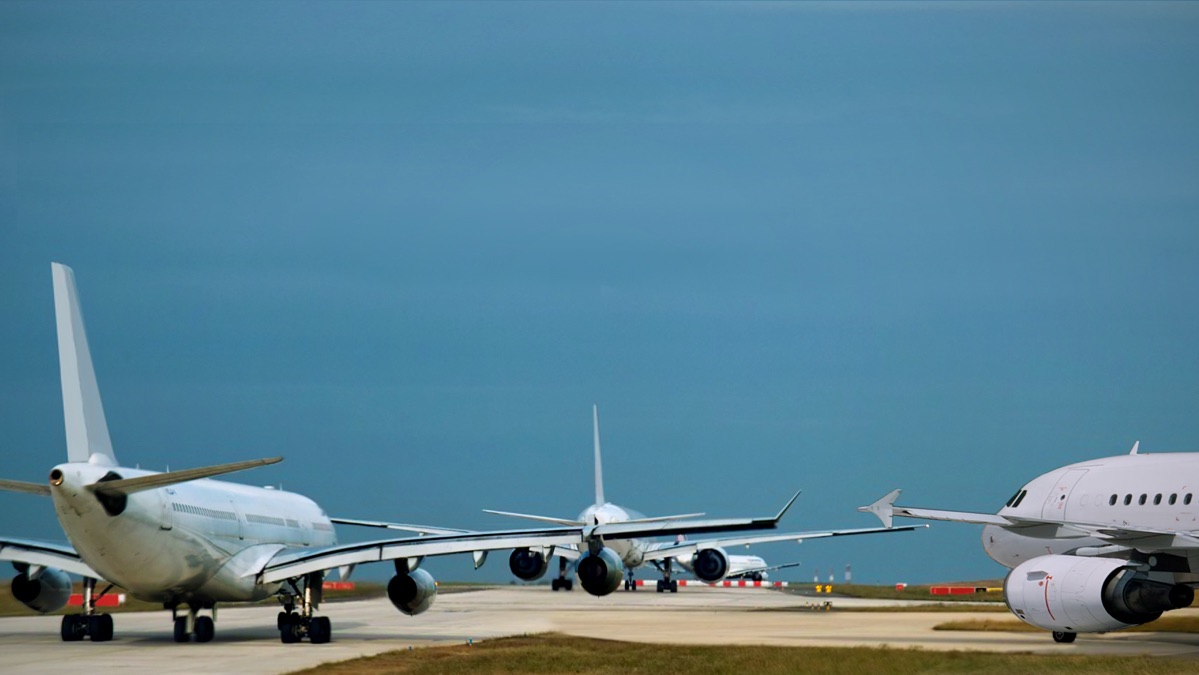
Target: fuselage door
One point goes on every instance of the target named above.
(168, 506)
(1059, 495)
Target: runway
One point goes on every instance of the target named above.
(246, 640)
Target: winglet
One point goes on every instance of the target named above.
(599, 465)
(883, 508)
(787, 506)
(1135, 446)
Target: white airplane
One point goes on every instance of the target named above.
(749, 567)
(181, 539)
(1095, 546)
(599, 572)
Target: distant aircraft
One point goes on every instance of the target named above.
(181, 539)
(748, 567)
(1095, 546)
(599, 569)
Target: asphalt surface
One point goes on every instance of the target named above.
(247, 642)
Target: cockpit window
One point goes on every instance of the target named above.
(1019, 498)
(1012, 500)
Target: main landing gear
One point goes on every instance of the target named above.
(666, 583)
(191, 624)
(562, 582)
(295, 626)
(89, 624)
(1064, 637)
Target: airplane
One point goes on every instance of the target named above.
(183, 539)
(706, 559)
(747, 567)
(1093, 547)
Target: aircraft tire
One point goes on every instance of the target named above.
(1064, 637)
(181, 632)
(205, 629)
(72, 628)
(320, 630)
(100, 627)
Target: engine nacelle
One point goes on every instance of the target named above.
(49, 592)
(1088, 595)
(600, 573)
(528, 565)
(412, 593)
(710, 565)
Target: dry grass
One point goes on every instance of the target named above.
(555, 653)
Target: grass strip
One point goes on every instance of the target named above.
(555, 653)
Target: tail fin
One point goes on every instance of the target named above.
(87, 432)
(599, 464)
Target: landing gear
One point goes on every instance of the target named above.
(666, 583)
(1064, 637)
(562, 582)
(187, 625)
(98, 627)
(629, 583)
(295, 626)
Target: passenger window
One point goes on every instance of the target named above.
(1141, 501)
(1157, 499)
(1173, 498)
(1127, 499)
(1112, 501)
(1187, 499)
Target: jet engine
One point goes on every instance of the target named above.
(600, 573)
(1088, 595)
(412, 593)
(47, 593)
(710, 564)
(527, 565)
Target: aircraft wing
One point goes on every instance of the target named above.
(683, 548)
(1137, 537)
(419, 529)
(292, 563)
(28, 488)
(46, 554)
(540, 519)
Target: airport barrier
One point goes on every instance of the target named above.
(338, 585)
(961, 590)
(114, 600)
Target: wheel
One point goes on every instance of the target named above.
(282, 620)
(290, 634)
(205, 629)
(555, 585)
(661, 585)
(568, 585)
(674, 586)
(100, 627)
(72, 628)
(1063, 636)
(320, 630)
(181, 632)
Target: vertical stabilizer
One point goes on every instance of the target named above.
(599, 464)
(87, 432)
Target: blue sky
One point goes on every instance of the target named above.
(837, 247)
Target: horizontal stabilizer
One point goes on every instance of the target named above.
(541, 519)
(125, 486)
(27, 488)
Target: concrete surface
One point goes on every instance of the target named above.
(247, 642)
